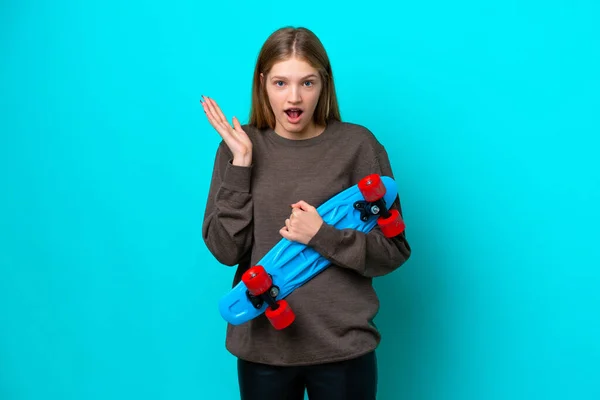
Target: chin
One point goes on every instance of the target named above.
(295, 128)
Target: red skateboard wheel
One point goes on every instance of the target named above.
(372, 187)
(257, 280)
(392, 225)
(282, 317)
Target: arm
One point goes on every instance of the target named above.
(370, 254)
(227, 226)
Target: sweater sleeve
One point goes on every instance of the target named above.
(227, 225)
(370, 254)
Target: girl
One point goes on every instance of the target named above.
(269, 177)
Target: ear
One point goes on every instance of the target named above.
(262, 78)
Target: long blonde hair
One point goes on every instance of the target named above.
(281, 45)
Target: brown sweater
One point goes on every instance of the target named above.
(246, 208)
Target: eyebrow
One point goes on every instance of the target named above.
(305, 77)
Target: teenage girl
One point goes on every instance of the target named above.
(269, 177)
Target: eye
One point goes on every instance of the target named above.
(308, 83)
(279, 83)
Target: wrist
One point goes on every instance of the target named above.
(242, 161)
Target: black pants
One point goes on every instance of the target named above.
(354, 379)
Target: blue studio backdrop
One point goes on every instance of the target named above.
(489, 112)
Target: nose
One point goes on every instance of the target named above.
(294, 96)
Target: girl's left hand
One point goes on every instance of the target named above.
(303, 223)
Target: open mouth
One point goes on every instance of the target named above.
(293, 113)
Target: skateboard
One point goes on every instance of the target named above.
(288, 265)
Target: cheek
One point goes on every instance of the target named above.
(274, 99)
(314, 98)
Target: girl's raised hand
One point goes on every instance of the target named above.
(234, 136)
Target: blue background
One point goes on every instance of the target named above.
(489, 111)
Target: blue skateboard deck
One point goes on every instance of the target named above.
(291, 264)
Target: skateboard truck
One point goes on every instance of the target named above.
(373, 190)
(260, 290)
(368, 209)
(268, 296)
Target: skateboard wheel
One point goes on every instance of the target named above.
(282, 317)
(392, 225)
(257, 280)
(372, 187)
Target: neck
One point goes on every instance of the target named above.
(310, 131)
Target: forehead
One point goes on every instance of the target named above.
(293, 68)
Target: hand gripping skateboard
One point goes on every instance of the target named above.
(289, 265)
